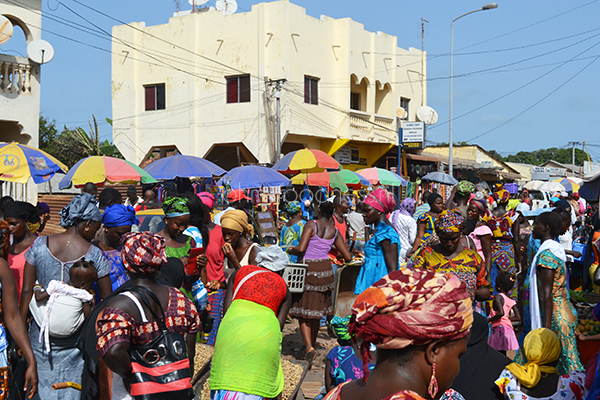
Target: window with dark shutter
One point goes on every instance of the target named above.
(238, 89)
(311, 90)
(355, 101)
(155, 97)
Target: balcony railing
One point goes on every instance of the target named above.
(15, 77)
(384, 126)
(360, 121)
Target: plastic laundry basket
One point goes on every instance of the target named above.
(294, 275)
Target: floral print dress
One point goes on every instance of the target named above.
(570, 388)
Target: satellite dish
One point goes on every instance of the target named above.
(427, 114)
(227, 6)
(401, 113)
(197, 3)
(39, 51)
(6, 29)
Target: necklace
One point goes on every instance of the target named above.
(68, 241)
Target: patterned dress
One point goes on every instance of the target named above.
(429, 222)
(290, 237)
(450, 394)
(564, 315)
(571, 387)
(345, 365)
(503, 251)
(467, 266)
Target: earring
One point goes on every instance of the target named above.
(87, 228)
(433, 385)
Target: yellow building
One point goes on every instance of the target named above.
(204, 83)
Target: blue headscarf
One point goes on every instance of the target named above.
(119, 215)
(82, 208)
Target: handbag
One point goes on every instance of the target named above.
(160, 369)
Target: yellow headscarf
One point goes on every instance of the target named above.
(541, 346)
(237, 220)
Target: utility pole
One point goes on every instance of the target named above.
(573, 165)
(277, 96)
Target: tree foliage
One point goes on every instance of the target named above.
(72, 145)
(538, 157)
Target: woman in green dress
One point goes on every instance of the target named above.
(177, 219)
(553, 310)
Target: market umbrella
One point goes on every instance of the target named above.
(180, 166)
(19, 162)
(352, 179)
(101, 169)
(380, 176)
(569, 184)
(254, 176)
(552, 187)
(306, 160)
(402, 180)
(440, 177)
(533, 185)
(330, 179)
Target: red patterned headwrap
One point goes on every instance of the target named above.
(411, 307)
(450, 222)
(143, 252)
(381, 200)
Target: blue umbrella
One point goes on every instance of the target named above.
(254, 176)
(402, 180)
(183, 167)
(440, 177)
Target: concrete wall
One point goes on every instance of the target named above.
(275, 40)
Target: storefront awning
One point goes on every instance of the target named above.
(419, 157)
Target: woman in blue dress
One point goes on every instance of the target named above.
(292, 230)
(381, 250)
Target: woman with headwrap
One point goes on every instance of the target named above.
(459, 197)
(126, 320)
(549, 304)
(315, 302)
(539, 378)
(481, 234)
(426, 222)
(177, 219)
(117, 220)
(238, 249)
(381, 250)
(13, 323)
(402, 220)
(247, 358)
(51, 258)
(419, 321)
(506, 247)
(292, 230)
(449, 256)
(18, 214)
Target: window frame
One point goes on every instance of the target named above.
(311, 90)
(159, 91)
(242, 85)
(405, 101)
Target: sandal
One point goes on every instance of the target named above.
(310, 356)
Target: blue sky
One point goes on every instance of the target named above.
(526, 73)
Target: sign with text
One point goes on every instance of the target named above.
(413, 135)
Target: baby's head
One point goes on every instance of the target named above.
(83, 274)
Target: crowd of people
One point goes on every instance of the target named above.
(441, 286)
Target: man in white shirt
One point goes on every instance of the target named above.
(133, 199)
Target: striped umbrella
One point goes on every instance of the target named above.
(569, 184)
(19, 162)
(306, 160)
(330, 179)
(380, 176)
(101, 169)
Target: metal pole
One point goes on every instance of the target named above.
(278, 97)
(573, 168)
(450, 150)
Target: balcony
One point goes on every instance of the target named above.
(15, 75)
(360, 121)
(384, 126)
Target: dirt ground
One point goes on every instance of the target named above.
(293, 348)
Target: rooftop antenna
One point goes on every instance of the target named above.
(6, 29)
(177, 5)
(227, 6)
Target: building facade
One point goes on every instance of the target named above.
(20, 86)
(208, 84)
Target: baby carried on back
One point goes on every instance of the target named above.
(61, 309)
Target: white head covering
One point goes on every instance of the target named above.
(272, 258)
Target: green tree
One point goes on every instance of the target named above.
(91, 141)
(563, 156)
(496, 155)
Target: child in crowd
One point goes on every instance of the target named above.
(61, 309)
(503, 336)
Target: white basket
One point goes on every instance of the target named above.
(294, 275)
